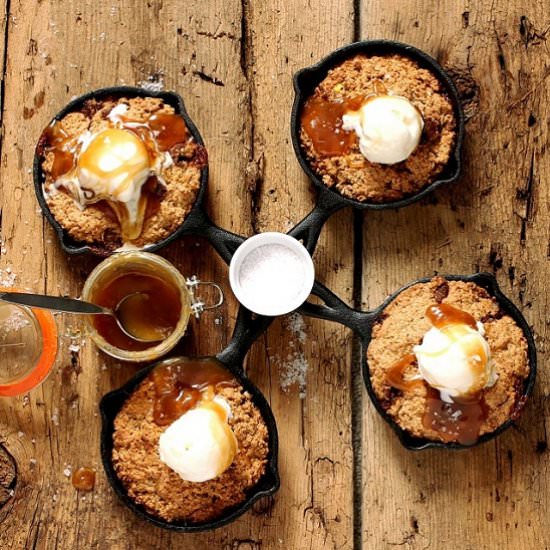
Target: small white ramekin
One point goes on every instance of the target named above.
(286, 304)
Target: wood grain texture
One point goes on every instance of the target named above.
(494, 219)
(233, 61)
(3, 34)
(211, 53)
(57, 51)
(315, 428)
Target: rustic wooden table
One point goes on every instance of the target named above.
(346, 481)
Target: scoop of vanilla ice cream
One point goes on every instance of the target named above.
(388, 128)
(456, 360)
(200, 445)
(114, 164)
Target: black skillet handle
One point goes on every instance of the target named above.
(336, 310)
(309, 229)
(247, 329)
(225, 242)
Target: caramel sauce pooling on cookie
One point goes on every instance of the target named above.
(395, 375)
(181, 386)
(170, 130)
(63, 161)
(459, 421)
(322, 121)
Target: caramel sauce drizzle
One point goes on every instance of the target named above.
(460, 420)
(453, 321)
(180, 387)
(322, 121)
(444, 315)
(170, 130)
(395, 375)
(56, 140)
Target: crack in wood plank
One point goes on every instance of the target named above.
(3, 64)
(527, 196)
(357, 387)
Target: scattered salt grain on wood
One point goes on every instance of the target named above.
(293, 372)
(55, 417)
(293, 369)
(153, 83)
(74, 337)
(295, 323)
(7, 277)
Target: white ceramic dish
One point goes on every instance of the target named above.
(271, 274)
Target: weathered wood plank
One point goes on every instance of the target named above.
(57, 50)
(233, 63)
(313, 509)
(494, 219)
(3, 35)
(199, 51)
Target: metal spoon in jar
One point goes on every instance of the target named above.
(122, 313)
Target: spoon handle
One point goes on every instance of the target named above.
(57, 303)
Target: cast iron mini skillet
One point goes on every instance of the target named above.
(362, 323)
(232, 357)
(196, 223)
(329, 200)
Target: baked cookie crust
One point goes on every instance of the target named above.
(352, 174)
(160, 490)
(97, 224)
(403, 324)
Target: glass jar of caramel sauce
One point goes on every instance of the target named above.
(169, 301)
